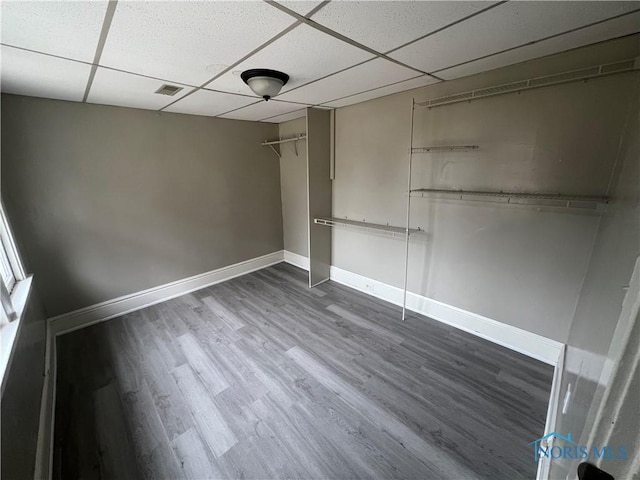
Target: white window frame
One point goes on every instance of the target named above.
(9, 247)
(8, 276)
(15, 295)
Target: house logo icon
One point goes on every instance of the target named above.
(542, 445)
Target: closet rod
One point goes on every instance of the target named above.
(444, 148)
(581, 75)
(271, 143)
(561, 200)
(284, 140)
(389, 230)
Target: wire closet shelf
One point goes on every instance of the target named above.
(296, 139)
(376, 228)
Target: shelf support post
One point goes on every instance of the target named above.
(406, 248)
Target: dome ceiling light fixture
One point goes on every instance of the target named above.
(264, 82)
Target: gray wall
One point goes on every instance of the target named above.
(107, 201)
(319, 193)
(615, 252)
(518, 265)
(22, 394)
(293, 181)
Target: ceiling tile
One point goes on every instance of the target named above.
(384, 91)
(37, 75)
(206, 102)
(261, 110)
(287, 116)
(305, 54)
(68, 29)
(111, 87)
(188, 42)
(373, 74)
(603, 31)
(387, 25)
(300, 7)
(505, 26)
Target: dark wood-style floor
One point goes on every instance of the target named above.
(260, 377)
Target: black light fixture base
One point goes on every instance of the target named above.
(264, 82)
(264, 72)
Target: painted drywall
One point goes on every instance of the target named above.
(319, 193)
(598, 311)
(522, 266)
(22, 395)
(293, 182)
(107, 201)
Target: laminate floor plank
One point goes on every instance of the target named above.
(168, 401)
(212, 425)
(202, 365)
(193, 456)
(445, 466)
(116, 453)
(154, 456)
(261, 377)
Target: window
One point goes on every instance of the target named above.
(10, 268)
(15, 287)
(8, 277)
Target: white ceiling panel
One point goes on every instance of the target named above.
(68, 29)
(287, 116)
(603, 31)
(305, 54)
(300, 7)
(384, 91)
(37, 75)
(188, 42)
(206, 102)
(261, 110)
(111, 87)
(373, 74)
(505, 26)
(385, 25)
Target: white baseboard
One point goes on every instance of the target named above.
(297, 260)
(527, 343)
(83, 317)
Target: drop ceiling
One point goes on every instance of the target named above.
(337, 53)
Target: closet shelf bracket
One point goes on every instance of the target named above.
(271, 143)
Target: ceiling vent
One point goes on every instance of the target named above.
(170, 90)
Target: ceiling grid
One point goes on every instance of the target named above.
(337, 53)
(108, 17)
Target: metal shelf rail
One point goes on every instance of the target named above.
(582, 75)
(386, 230)
(271, 143)
(444, 148)
(516, 198)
